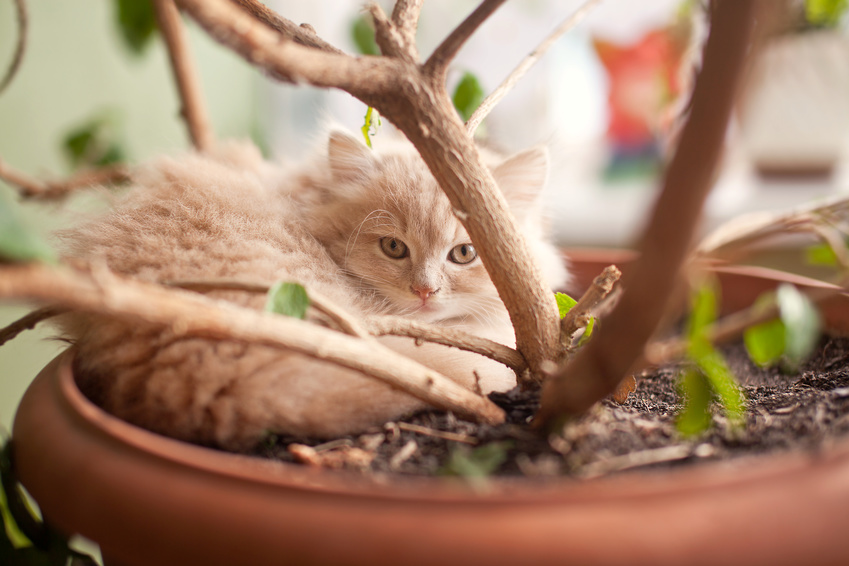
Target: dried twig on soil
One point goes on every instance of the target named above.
(20, 48)
(188, 313)
(453, 436)
(31, 188)
(507, 85)
(193, 108)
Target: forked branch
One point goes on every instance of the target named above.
(31, 188)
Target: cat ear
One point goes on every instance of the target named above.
(522, 177)
(348, 157)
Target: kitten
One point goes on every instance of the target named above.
(371, 230)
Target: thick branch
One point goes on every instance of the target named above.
(197, 315)
(31, 188)
(185, 74)
(18, 56)
(598, 369)
(438, 62)
(303, 34)
(495, 97)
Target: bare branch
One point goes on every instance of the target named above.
(395, 326)
(405, 16)
(20, 48)
(438, 62)
(31, 188)
(495, 97)
(578, 315)
(599, 368)
(288, 60)
(303, 34)
(185, 74)
(27, 322)
(388, 37)
(106, 293)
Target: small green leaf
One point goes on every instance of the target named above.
(703, 310)
(289, 299)
(821, 254)
(722, 382)
(588, 332)
(564, 303)
(468, 95)
(695, 418)
(19, 242)
(370, 125)
(136, 23)
(801, 320)
(824, 13)
(362, 34)
(765, 342)
(478, 463)
(94, 143)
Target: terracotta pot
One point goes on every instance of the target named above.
(152, 500)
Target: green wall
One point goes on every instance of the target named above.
(75, 67)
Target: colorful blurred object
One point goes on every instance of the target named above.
(644, 82)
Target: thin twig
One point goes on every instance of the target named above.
(464, 438)
(303, 34)
(185, 74)
(31, 188)
(495, 97)
(389, 38)
(105, 293)
(20, 48)
(28, 322)
(437, 63)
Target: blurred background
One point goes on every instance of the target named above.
(604, 99)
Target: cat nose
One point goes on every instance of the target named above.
(423, 291)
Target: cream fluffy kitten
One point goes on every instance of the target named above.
(371, 230)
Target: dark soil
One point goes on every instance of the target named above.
(803, 411)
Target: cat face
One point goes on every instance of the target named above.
(393, 231)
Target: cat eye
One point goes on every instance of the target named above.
(463, 254)
(394, 248)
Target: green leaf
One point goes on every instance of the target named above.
(468, 95)
(821, 254)
(703, 310)
(289, 299)
(588, 332)
(19, 242)
(136, 23)
(478, 463)
(801, 320)
(695, 418)
(765, 342)
(722, 382)
(94, 143)
(824, 13)
(370, 125)
(362, 34)
(564, 303)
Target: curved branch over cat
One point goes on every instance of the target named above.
(413, 98)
